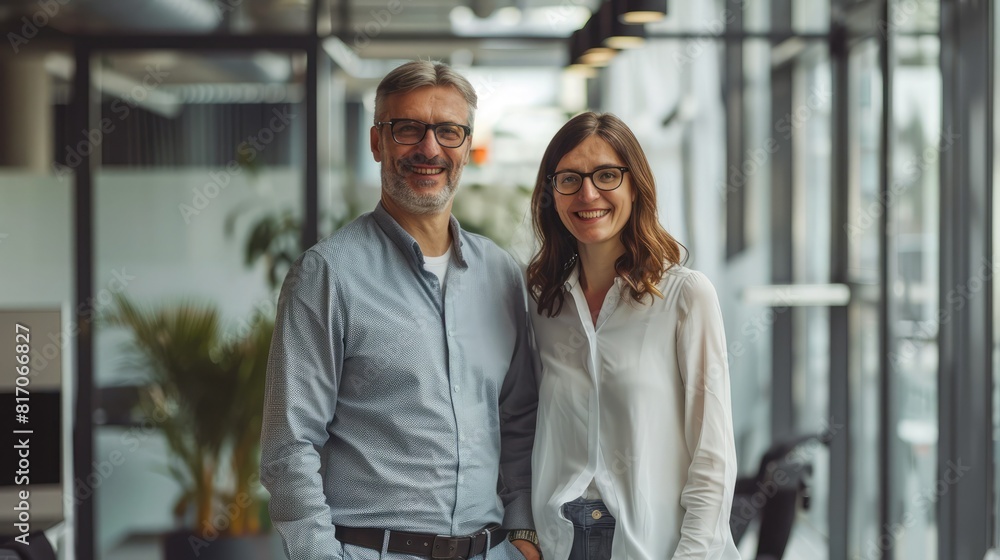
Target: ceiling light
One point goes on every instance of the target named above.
(615, 34)
(590, 50)
(641, 11)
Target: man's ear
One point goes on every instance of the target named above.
(376, 147)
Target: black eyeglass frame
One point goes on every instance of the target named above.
(427, 126)
(551, 178)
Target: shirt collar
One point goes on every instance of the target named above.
(574, 278)
(408, 245)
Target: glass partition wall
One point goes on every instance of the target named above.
(829, 226)
(200, 166)
(202, 155)
(822, 240)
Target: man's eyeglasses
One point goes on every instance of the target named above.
(409, 132)
(604, 178)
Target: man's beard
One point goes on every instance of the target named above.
(410, 199)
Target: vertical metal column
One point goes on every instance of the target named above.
(888, 411)
(310, 222)
(840, 444)
(83, 428)
(965, 478)
(782, 246)
(26, 133)
(735, 143)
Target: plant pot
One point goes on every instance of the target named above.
(185, 545)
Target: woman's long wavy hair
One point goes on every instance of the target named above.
(649, 249)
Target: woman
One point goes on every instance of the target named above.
(634, 454)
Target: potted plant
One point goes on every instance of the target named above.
(205, 392)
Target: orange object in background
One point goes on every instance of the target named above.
(479, 155)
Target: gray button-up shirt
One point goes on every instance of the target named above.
(391, 406)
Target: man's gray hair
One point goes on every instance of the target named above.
(420, 73)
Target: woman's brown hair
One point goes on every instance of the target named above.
(648, 247)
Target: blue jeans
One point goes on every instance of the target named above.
(593, 529)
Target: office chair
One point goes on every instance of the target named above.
(38, 549)
(42, 545)
(774, 494)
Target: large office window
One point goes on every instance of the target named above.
(996, 285)
(912, 221)
(808, 123)
(863, 232)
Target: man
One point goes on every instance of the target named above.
(400, 384)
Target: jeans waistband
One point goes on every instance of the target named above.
(588, 513)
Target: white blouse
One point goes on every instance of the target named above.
(640, 405)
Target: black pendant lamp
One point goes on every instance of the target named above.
(642, 11)
(614, 33)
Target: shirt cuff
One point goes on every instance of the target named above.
(517, 514)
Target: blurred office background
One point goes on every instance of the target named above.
(828, 163)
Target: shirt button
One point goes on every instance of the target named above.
(456, 388)
(595, 514)
(451, 332)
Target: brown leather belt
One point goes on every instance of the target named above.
(437, 547)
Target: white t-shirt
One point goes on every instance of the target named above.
(439, 266)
